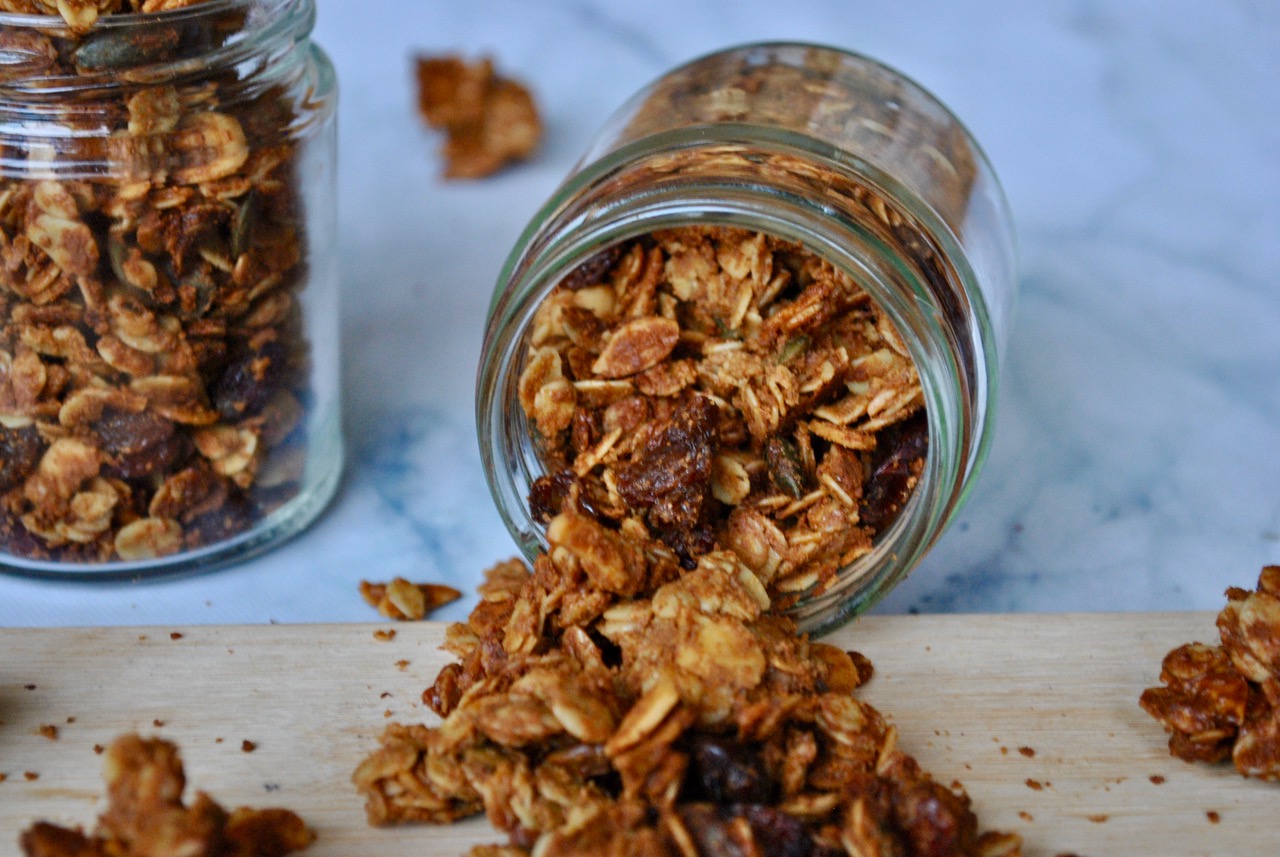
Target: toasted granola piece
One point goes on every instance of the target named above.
(490, 121)
(400, 599)
(146, 815)
(1224, 701)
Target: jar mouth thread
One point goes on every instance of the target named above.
(571, 234)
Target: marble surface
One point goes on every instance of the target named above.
(1136, 463)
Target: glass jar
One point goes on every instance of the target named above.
(168, 299)
(813, 145)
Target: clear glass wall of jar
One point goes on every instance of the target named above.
(814, 145)
(168, 301)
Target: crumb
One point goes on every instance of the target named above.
(1004, 751)
(1035, 785)
(384, 694)
(1213, 815)
(1029, 752)
(48, 730)
(175, 635)
(142, 638)
(71, 719)
(3, 776)
(217, 740)
(157, 723)
(248, 746)
(29, 686)
(1100, 818)
(98, 749)
(1025, 816)
(384, 635)
(1156, 779)
(30, 775)
(402, 664)
(386, 713)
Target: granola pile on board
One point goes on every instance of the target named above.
(610, 701)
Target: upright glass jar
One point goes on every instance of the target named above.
(813, 145)
(168, 299)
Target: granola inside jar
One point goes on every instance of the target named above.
(168, 300)
(764, 314)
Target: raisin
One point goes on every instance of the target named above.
(902, 448)
(547, 495)
(776, 833)
(724, 771)
(250, 381)
(677, 455)
(670, 475)
(935, 821)
(592, 271)
(139, 444)
(19, 454)
(443, 695)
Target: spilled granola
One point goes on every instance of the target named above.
(153, 358)
(489, 120)
(400, 599)
(146, 815)
(717, 388)
(1223, 701)
(608, 701)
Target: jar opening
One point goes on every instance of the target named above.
(517, 470)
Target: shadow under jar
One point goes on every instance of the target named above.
(168, 299)
(763, 314)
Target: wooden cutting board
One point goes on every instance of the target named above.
(1036, 714)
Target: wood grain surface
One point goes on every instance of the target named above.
(1036, 714)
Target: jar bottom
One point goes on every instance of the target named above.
(324, 447)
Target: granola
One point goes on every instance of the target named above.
(489, 120)
(153, 356)
(717, 388)
(1221, 701)
(146, 815)
(608, 701)
(401, 599)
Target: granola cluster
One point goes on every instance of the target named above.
(720, 389)
(153, 360)
(401, 599)
(489, 120)
(146, 816)
(1224, 701)
(608, 701)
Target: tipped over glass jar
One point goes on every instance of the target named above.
(168, 301)
(763, 314)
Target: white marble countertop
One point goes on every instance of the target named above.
(1136, 463)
